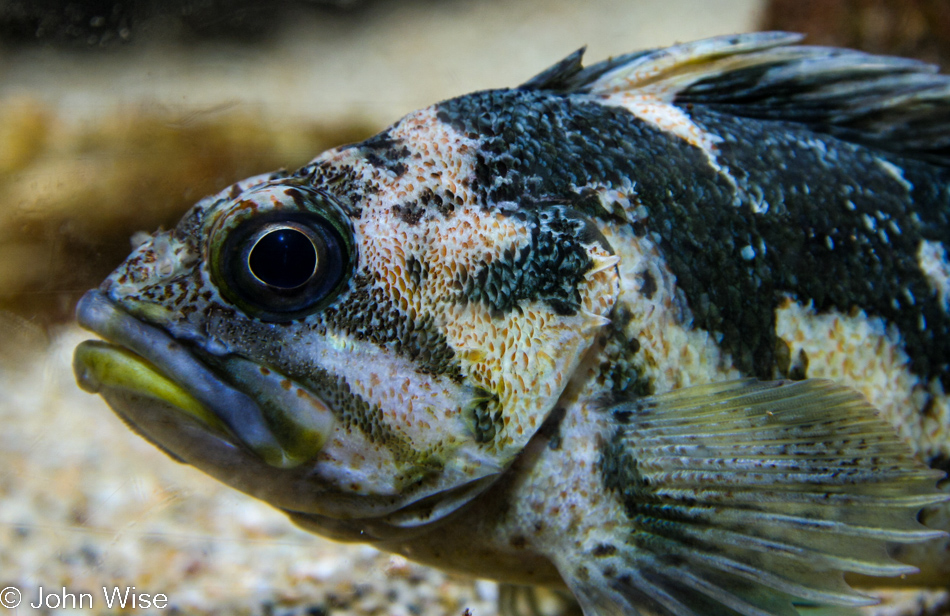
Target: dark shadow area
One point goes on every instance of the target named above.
(96, 24)
(910, 28)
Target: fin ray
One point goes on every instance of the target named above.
(752, 498)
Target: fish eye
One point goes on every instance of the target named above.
(281, 265)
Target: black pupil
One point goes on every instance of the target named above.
(285, 258)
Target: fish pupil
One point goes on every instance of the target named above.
(285, 258)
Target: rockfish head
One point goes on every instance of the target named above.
(364, 343)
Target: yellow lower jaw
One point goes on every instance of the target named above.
(99, 365)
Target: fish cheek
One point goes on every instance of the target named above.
(518, 361)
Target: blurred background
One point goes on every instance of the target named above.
(116, 116)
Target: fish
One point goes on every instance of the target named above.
(668, 332)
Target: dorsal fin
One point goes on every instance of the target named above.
(632, 70)
(893, 104)
(569, 75)
(559, 76)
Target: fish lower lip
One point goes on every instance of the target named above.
(150, 362)
(101, 365)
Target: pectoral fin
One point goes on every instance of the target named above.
(751, 498)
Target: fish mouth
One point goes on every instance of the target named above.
(145, 361)
(173, 399)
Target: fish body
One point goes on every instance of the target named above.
(670, 330)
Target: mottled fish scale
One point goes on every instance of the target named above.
(453, 270)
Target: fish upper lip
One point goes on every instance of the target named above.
(238, 411)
